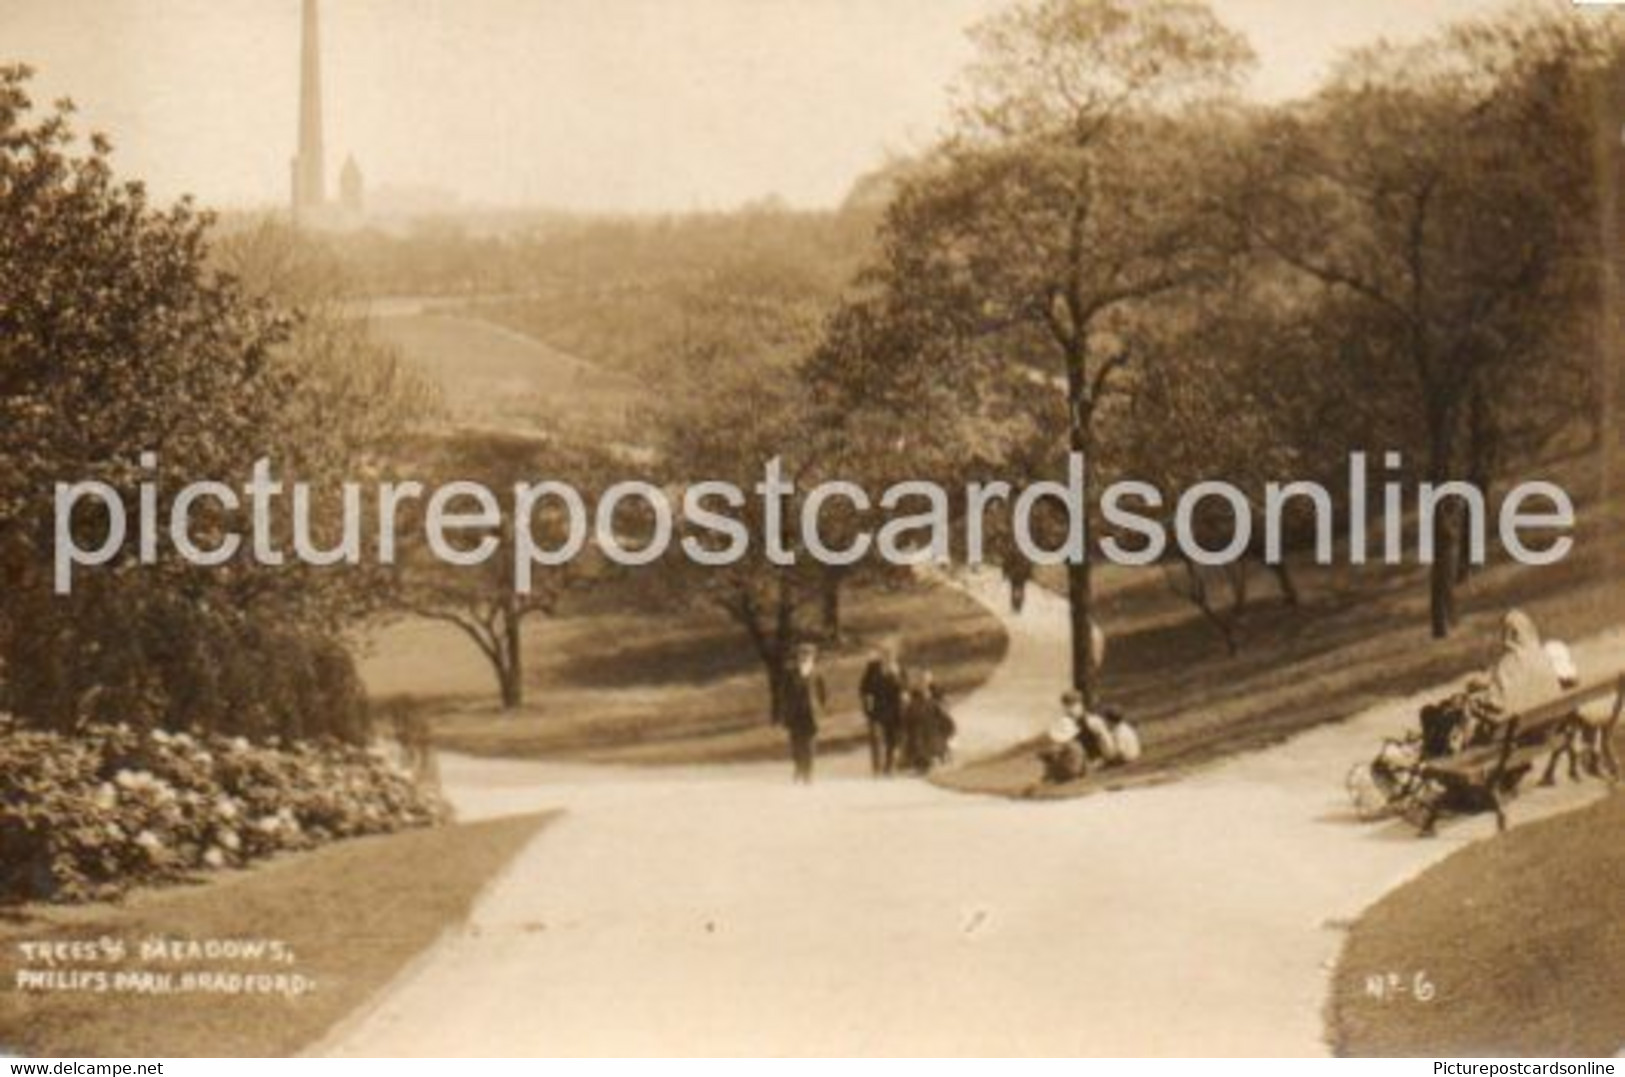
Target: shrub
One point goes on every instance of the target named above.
(88, 816)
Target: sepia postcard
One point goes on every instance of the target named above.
(812, 528)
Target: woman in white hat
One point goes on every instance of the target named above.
(1062, 753)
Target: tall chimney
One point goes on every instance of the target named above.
(309, 186)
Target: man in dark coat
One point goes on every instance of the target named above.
(881, 693)
(804, 700)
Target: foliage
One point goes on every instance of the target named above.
(89, 816)
(484, 600)
(122, 332)
(738, 396)
(1107, 255)
(1074, 203)
(619, 292)
(1445, 197)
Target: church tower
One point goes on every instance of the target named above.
(309, 187)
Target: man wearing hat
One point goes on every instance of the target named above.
(804, 700)
(881, 692)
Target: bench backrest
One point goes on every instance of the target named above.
(1498, 753)
(1553, 711)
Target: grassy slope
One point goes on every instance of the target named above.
(1522, 937)
(494, 377)
(1360, 636)
(354, 913)
(614, 681)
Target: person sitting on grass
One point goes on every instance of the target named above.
(1062, 754)
(1119, 740)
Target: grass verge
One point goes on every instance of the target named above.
(1521, 938)
(352, 915)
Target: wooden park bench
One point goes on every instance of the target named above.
(1488, 774)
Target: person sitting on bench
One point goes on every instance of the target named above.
(1521, 677)
(1523, 708)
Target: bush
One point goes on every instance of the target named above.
(88, 816)
(149, 654)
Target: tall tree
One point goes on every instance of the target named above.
(484, 599)
(119, 335)
(1446, 196)
(1073, 199)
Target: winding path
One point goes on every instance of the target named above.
(725, 911)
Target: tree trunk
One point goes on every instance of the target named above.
(1289, 587)
(1080, 573)
(1197, 592)
(770, 641)
(512, 693)
(1079, 591)
(1442, 573)
(777, 648)
(831, 604)
(1237, 575)
(776, 696)
(511, 669)
(1442, 583)
(1480, 468)
(1462, 558)
(784, 617)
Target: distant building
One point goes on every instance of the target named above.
(309, 185)
(412, 200)
(352, 189)
(309, 166)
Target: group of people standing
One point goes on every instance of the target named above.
(909, 726)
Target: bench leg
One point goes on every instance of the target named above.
(1605, 736)
(1566, 738)
(1430, 820)
(1500, 810)
(1550, 776)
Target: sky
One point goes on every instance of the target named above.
(592, 105)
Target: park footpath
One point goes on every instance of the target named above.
(724, 911)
